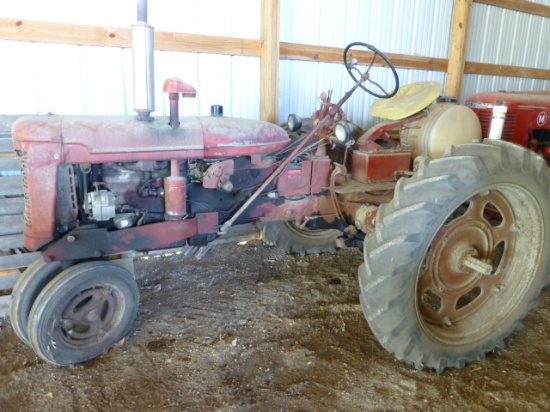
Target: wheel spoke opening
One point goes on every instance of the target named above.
(458, 213)
(493, 215)
(496, 256)
(81, 304)
(431, 301)
(468, 298)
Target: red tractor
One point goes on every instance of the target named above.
(454, 232)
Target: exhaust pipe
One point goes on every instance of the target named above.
(143, 47)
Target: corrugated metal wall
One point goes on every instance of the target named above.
(501, 36)
(37, 77)
(416, 27)
(68, 79)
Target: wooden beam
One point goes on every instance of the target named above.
(292, 51)
(506, 71)
(523, 6)
(13, 29)
(198, 43)
(271, 12)
(459, 43)
(37, 31)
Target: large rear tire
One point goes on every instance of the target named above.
(292, 239)
(459, 256)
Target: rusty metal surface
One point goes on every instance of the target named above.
(98, 139)
(380, 166)
(45, 142)
(175, 195)
(295, 180)
(218, 174)
(526, 111)
(40, 166)
(368, 141)
(98, 242)
(225, 137)
(293, 209)
(308, 177)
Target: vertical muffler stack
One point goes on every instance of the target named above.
(143, 47)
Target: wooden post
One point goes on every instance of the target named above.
(459, 44)
(271, 15)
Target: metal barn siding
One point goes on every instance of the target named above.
(396, 26)
(97, 80)
(501, 36)
(67, 79)
(231, 18)
(416, 27)
(97, 13)
(64, 79)
(231, 81)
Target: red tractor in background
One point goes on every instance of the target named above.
(454, 230)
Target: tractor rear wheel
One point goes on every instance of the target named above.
(293, 239)
(459, 256)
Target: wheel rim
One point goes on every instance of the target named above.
(466, 286)
(90, 315)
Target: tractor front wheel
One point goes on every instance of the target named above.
(83, 312)
(459, 256)
(26, 289)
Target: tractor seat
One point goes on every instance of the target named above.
(410, 99)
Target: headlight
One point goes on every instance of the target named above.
(343, 131)
(294, 122)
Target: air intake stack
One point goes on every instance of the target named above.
(143, 47)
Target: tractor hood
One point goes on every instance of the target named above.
(511, 99)
(99, 139)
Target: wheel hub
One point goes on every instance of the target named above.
(88, 316)
(467, 260)
(453, 246)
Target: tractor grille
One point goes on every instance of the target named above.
(23, 159)
(485, 116)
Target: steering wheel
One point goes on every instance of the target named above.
(351, 65)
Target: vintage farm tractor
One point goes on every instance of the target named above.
(455, 246)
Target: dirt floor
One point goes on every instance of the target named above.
(248, 328)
